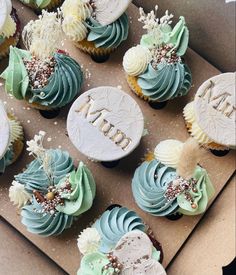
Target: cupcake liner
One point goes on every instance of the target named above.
(18, 144)
(5, 46)
(133, 84)
(38, 106)
(89, 48)
(53, 4)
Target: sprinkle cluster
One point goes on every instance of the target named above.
(53, 198)
(39, 71)
(93, 6)
(164, 53)
(114, 263)
(181, 186)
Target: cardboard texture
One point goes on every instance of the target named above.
(211, 24)
(212, 245)
(113, 185)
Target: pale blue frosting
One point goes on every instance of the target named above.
(6, 159)
(44, 224)
(35, 178)
(110, 36)
(166, 82)
(149, 185)
(114, 224)
(63, 85)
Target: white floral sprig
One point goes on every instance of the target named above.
(89, 240)
(151, 21)
(35, 146)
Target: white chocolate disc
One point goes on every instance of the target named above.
(4, 131)
(5, 10)
(105, 124)
(108, 11)
(215, 109)
(134, 252)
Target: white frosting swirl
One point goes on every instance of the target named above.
(168, 152)
(89, 240)
(136, 60)
(16, 130)
(188, 113)
(79, 9)
(74, 28)
(7, 24)
(18, 195)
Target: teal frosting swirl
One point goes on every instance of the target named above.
(63, 85)
(166, 82)
(110, 36)
(149, 185)
(35, 178)
(114, 224)
(83, 192)
(44, 224)
(37, 3)
(6, 159)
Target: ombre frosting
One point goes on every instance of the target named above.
(166, 82)
(115, 223)
(150, 183)
(109, 36)
(63, 85)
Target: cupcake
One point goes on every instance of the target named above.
(96, 27)
(210, 118)
(105, 124)
(50, 193)
(172, 182)
(42, 4)
(155, 69)
(11, 139)
(119, 243)
(9, 27)
(45, 77)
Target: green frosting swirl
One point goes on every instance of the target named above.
(63, 85)
(110, 36)
(178, 37)
(93, 264)
(83, 192)
(37, 3)
(166, 82)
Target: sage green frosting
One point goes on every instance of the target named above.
(6, 160)
(44, 224)
(149, 185)
(110, 36)
(204, 193)
(178, 37)
(114, 224)
(93, 264)
(37, 3)
(36, 178)
(83, 192)
(166, 82)
(63, 85)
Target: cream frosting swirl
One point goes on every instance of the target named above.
(136, 60)
(74, 28)
(18, 195)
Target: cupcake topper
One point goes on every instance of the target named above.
(108, 11)
(4, 130)
(215, 108)
(42, 36)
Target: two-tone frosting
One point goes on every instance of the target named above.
(104, 23)
(62, 86)
(173, 182)
(163, 75)
(49, 192)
